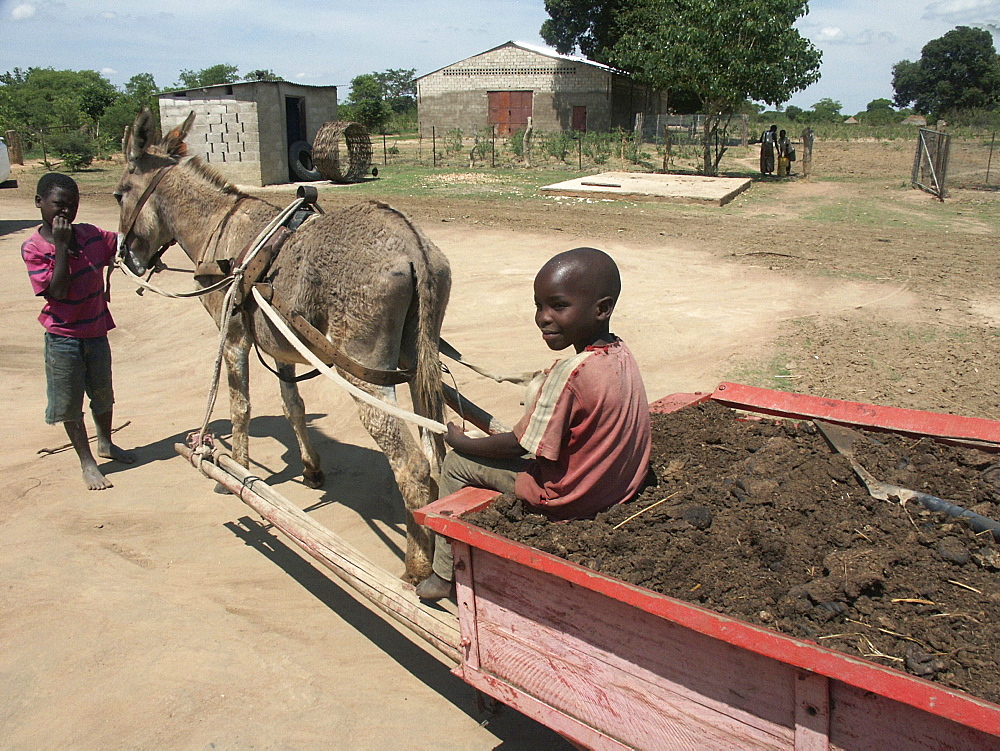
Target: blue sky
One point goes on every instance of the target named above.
(323, 43)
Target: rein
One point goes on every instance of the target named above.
(130, 232)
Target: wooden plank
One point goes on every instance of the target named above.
(812, 712)
(930, 697)
(578, 733)
(908, 421)
(863, 720)
(466, 600)
(633, 677)
(387, 592)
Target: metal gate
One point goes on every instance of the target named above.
(930, 163)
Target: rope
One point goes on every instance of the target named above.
(213, 392)
(364, 396)
(215, 287)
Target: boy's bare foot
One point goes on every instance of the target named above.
(94, 479)
(118, 454)
(433, 588)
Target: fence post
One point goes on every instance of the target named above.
(989, 160)
(807, 151)
(434, 148)
(526, 143)
(666, 147)
(14, 147)
(493, 147)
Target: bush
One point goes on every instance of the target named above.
(558, 145)
(517, 143)
(76, 148)
(598, 146)
(453, 141)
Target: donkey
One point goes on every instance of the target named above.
(365, 276)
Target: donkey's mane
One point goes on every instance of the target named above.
(213, 176)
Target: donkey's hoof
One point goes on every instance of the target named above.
(314, 479)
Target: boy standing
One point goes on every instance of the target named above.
(588, 430)
(64, 266)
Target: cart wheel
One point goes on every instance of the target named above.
(300, 159)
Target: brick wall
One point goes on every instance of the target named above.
(240, 129)
(457, 96)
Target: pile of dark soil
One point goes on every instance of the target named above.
(760, 520)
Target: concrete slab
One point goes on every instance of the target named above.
(649, 187)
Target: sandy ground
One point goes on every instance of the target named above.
(158, 614)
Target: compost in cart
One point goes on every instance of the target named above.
(763, 521)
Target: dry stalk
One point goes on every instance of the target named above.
(875, 652)
(914, 600)
(956, 615)
(643, 511)
(859, 533)
(965, 586)
(839, 636)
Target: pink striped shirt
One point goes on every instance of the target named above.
(589, 431)
(84, 313)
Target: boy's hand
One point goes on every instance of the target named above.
(62, 233)
(456, 436)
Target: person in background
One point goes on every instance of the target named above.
(768, 140)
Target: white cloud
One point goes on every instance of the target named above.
(830, 34)
(22, 11)
(964, 11)
(108, 15)
(108, 71)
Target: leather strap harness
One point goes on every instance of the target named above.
(257, 268)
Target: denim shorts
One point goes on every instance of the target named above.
(74, 367)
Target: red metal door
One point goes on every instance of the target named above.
(580, 119)
(509, 110)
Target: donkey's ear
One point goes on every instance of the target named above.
(173, 142)
(141, 135)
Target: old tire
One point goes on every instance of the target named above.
(300, 159)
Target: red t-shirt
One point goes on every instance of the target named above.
(84, 313)
(589, 431)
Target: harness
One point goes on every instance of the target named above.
(247, 270)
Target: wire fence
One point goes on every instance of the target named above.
(675, 140)
(942, 161)
(974, 162)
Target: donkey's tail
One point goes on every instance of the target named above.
(432, 279)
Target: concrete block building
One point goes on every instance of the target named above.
(507, 84)
(245, 130)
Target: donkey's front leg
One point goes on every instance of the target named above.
(237, 356)
(295, 411)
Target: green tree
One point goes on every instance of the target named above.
(827, 110)
(879, 112)
(262, 75)
(45, 98)
(399, 89)
(697, 46)
(794, 114)
(366, 104)
(140, 91)
(958, 71)
(213, 76)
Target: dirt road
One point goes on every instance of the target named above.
(158, 614)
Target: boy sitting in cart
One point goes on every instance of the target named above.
(583, 445)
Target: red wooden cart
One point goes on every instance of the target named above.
(611, 665)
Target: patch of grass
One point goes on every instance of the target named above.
(770, 373)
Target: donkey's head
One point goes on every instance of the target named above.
(148, 159)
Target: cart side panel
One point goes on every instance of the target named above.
(866, 721)
(627, 673)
